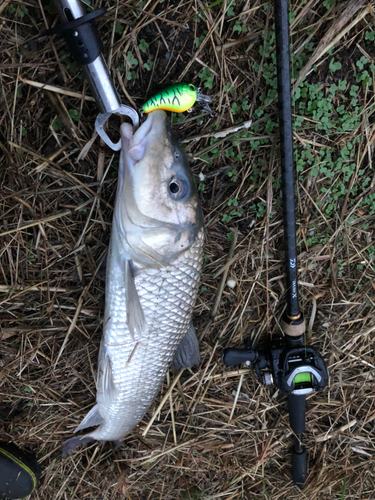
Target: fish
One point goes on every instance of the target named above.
(152, 280)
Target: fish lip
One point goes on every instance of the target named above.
(130, 142)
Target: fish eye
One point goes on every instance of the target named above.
(177, 188)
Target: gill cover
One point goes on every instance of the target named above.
(157, 211)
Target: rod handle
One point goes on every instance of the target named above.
(297, 411)
(299, 467)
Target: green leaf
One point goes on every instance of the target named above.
(119, 29)
(74, 114)
(234, 108)
(131, 61)
(131, 75)
(57, 124)
(329, 3)
(334, 66)
(245, 105)
(361, 63)
(230, 11)
(143, 46)
(228, 87)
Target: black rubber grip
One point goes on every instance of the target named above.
(233, 357)
(297, 411)
(299, 468)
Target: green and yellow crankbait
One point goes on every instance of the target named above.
(179, 97)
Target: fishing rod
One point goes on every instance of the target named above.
(296, 369)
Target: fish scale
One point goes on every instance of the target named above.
(167, 296)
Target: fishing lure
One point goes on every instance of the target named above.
(179, 97)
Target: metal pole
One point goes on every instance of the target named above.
(96, 72)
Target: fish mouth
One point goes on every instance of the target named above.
(134, 145)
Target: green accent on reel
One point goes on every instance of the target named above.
(178, 98)
(302, 378)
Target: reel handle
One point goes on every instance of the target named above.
(233, 356)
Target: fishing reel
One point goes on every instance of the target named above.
(294, 368)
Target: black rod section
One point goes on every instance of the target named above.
(286, 150)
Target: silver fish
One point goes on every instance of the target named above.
(153, 273)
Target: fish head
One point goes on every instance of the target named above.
(157, 207)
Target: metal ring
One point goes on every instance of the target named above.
(103, 117)
(294, 318)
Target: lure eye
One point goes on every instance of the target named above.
(177, 188)
(191, 88)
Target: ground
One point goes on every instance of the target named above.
(219, 434)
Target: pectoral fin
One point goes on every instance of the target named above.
(135, 316)
(187, 353)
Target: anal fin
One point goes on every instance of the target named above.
(187, 353)
(93, 418)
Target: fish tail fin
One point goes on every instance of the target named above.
(117, 444)
(72, 443)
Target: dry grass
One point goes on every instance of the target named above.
(55, 225)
